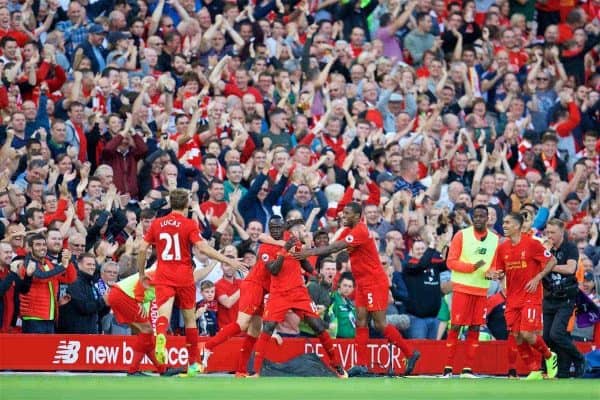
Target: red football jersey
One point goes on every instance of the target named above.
(259, 272)
(521, 262)
(364, 257)
(226, 316)
(290, 276)
(173, 236)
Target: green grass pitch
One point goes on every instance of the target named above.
(48, 387)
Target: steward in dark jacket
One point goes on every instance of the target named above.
(85, 305)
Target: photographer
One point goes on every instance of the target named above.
(560, 291)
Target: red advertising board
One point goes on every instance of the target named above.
(20, 352)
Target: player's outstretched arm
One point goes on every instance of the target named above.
(202, 273)
(203, 247)
(321, 251)
(306, 266)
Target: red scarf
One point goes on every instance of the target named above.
(82, 142)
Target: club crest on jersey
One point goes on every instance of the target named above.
(547, 254)
(349, 238)
(265, 257)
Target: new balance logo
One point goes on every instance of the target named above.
(67, 352)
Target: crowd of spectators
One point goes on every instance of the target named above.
(419, 110)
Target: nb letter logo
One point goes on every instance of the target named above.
(67, 352)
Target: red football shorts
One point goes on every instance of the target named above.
(467, 309)
(296, 300)
(185, 295)
(372, 297)
(125, 309)
(252, 297)
(526, 318)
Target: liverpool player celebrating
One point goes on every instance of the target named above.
(173, 235)
(288, 292)
(130, 301)
(372, 286)
(252, 294)
(525, 262)
(472, 252)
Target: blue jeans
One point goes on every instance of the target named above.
(37, 326)
(422, 328)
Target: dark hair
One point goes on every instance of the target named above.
(34, 237)
(31, 211)
(355, 207)
(480, 207)
(517, 217)
(346, 276)
(421, 16)
(215, 181)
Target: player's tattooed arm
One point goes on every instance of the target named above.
(274, 267)
(306, 266)
(321, 251)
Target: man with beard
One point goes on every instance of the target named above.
(250, 305)
(287, 292)
(40, 305)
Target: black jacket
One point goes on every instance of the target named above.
(82, 313)
(21, 286)
(422, 278)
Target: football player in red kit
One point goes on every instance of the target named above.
(372, 287)
(173, 236)
(525, 261)
(288, 292)
(252, 293)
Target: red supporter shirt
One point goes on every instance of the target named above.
(259, 274)
(521, 262)
(191, 149)
(364, 257)
(173, 236)
(226, 316)
(231, 89)
(218, 209)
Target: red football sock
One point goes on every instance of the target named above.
(245, 353)
(259, 351)
(191, 343)
(361, 339)
(327, 343)
(396, 339)
(451, 344)
(526, 353)
(149, 344)
(162, 325)
(541, 347)
(139, 347)
(513, 351)
(227, 332)
(472, 345)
